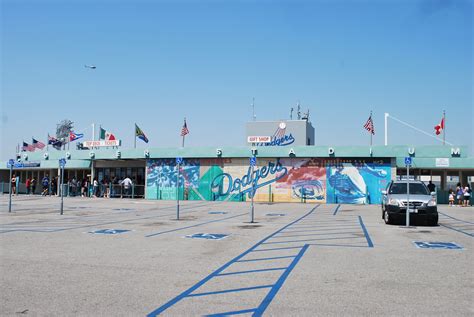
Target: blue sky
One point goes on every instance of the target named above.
(160, 61)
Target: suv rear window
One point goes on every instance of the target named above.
(415, 189)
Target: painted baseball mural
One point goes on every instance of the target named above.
(273, 180)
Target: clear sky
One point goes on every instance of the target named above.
(160, 61)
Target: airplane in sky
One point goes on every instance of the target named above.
(90, 66)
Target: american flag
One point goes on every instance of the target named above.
(184, 130)
(27, 147)
(369, 125)
(38, 144)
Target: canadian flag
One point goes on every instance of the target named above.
(439, 127)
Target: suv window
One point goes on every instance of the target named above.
(415, 189)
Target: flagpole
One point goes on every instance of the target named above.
(184, 134)
(371, 132)
(444, 126)
(135, 137)
(386, 129)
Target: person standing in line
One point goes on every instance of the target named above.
(13, 189)
(467, 195)
(459, 194)
(127, 184)
(54, 186)
(451, 198)
(431, 187)
(28, 184)
(33, 185)
(106, 187)
(96, 187)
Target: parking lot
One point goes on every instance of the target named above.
(119, 257)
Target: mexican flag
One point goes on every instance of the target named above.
(106, 135)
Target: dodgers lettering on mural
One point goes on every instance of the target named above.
(357, 182)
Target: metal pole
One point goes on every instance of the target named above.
(62, 189)
(386, 129)
(444, 127)
(177, 194)
(408, 197)
(253, 193)
(135, 137)
(10, 189)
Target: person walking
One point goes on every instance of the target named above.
(28, 184)
(13, 189)
(45, 183)
(467, 195)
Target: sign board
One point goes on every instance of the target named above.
(208, 236)
(258, 139)
(109, 231)
(179, 160)
(253, 161)
(11, 162)
(217, 212)
(62, 162)
(437, 245)
(101, 143)
(408, 160)
(442, 162)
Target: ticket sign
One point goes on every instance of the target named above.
(258, 139)
(101, 143)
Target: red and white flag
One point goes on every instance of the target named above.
(369, 125)
(184, 130)
(439, 127)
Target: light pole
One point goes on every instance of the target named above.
(11, 162)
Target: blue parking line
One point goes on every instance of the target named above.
(464, 232)
(306, 240)
(469, 222)
(192, 226)
(266, 259)
(319, 230)
(337, 208)
(253, 271)
(338, 245)
(273, 249)
(267, 300)
(235, 312)
(366, 233)
(187, 292)
(230, 290)
(324, 225)
(312, 234)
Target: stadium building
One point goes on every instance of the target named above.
(289, 168)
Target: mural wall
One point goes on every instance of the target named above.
(278, 180)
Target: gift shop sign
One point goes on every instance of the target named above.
(101, 143)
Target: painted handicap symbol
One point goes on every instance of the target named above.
(437, 245)
(109, 231)
(208, 236)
